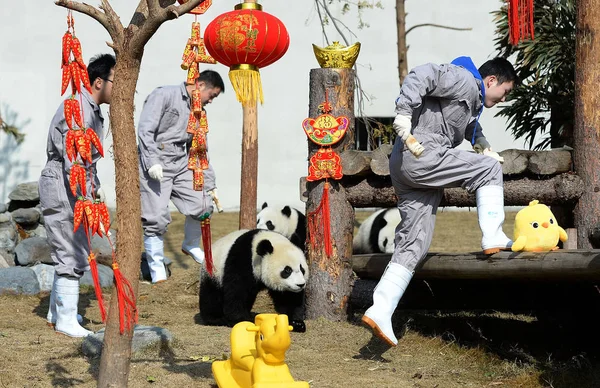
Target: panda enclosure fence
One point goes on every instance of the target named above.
(544, 175)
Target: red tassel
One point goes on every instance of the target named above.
(206, 243)
(128, 314)
(520, 20)
(97, 288)
(319, 224)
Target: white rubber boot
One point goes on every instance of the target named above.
(386, 296)
(490, 211)
(67, 297)
(191, 240)
(51, 316)
(156, 258)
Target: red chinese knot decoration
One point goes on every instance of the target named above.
(246, 40)
(520, 20)
(325, 130)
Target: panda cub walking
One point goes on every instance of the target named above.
(246, 262)
(287, 221)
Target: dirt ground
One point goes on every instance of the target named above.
(439, 348)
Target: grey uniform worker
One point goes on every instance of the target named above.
(440, 106)
(69, 250)
(164, 174)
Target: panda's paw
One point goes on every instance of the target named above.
(299, 326)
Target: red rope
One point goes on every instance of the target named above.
(97, 287)
(520, 20)
(206, 244)
(128, 314)
(319, 224)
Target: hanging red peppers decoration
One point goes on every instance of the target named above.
(326, 130)
(194, 54)
(520, 20)
(89, 213)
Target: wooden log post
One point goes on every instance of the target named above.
(330, 284)
(587, 120)
(248, 190)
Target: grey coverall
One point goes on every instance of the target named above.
(69, 250)
(444, 102)
(163, 140)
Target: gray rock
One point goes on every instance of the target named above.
(101, 247)
(38, 231)
(41, 218)
(29, 216)
(3, 208)
(18, 280)
(105, 274)
(8, 257)
(33, 250)
(5, 217)
(8, 237)
(3, 262)
(25, 192)
(144, 337)
(45, 276)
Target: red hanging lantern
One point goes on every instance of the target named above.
(246, 40)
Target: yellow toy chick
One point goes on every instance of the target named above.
(536, 229)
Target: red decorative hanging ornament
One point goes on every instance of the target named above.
(325, 130)
(520, 20)
(245, 40)
(194, 54)
(78, 145)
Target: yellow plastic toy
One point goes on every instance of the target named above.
(536, 229)
(258, 355)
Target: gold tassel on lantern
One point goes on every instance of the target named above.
(246, 83)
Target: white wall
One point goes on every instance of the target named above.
(30, 81)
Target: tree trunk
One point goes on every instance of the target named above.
(330, 282)
(249, 168)
(587, 120)
(401, 31)
(116, 349)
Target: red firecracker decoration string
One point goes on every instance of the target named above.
(520, 20)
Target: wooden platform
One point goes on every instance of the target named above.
(563, 265)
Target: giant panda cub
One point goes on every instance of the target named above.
(246, 262)
(376, 233)
(287, 221)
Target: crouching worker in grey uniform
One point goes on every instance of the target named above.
(440, 106)
(164, 173)
(69, 250)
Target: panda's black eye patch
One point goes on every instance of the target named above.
(302, 269)
(287, 271)
(270, 225)
(385, 242)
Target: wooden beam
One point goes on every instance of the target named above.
(377, 191)
(557, 265)
(516, 162)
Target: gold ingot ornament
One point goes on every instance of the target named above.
(337, 55)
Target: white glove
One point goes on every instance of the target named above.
(492, 154)
(100, 195)
(402, 125)
(156, 172)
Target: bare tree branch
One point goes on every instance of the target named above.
(153, 6)
(318, 7)
(166, 11)
(87, 9)
(115, 21)
(438, 26)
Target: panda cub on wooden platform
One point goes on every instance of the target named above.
(376, 233)
(246, 262)
(286, 221)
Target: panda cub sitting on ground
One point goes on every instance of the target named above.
(287, 221)
(246, 262)
(376, 233)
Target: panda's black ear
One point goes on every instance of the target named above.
(264, 248)
(264, 205)
(286, 211)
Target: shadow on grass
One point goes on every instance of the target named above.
(553, 327)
